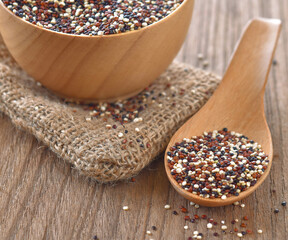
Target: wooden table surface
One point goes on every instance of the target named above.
(41, 197)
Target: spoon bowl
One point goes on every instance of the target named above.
(237, 104)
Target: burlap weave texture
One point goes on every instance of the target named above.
(88, 144)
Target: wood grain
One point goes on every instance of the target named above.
(42, 198)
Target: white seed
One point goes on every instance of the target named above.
(210, 179)
(192, 203)
(209, 225)
(120, 135)
(240, 235)
(205, 63)
(197, 206)
(186, 227)
(148, 232)
(200, 56)
(224, 227)
(236, 203)
(137, 129)
(242, 205)
(259, 231)
(167, 206)
(223, 197)
(125, 208)
(195, 232)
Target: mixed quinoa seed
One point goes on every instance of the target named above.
(92, 17)
(218, 164)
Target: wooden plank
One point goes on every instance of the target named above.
(43, 198)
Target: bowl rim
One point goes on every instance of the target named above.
(183, 4)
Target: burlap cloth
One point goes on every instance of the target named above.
(90, 144)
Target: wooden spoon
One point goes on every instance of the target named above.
(238, 101)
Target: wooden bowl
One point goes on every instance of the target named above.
(96, 67)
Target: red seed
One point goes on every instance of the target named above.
(187, 218)
(184, 210)
(243, 225)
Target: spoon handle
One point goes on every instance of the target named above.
(247, 73)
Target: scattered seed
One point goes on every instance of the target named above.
(259, 231)
(284, 203)
(149, 232)
(242, 205)
(175, 213)
(200, 56)
(205, 63)
(209, 225)
(132, 179)
(243, 225)
(186, 227)
(245, 218)
(125, 208)
(187, 218)
(167, 206)
(192, 203)
(240, 235)
(184, 210)
(276, 210)
(223, 227)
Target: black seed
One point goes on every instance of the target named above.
(276, 210)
